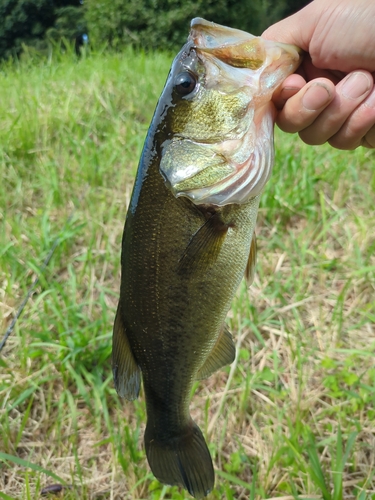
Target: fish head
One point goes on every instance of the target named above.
(216, 114)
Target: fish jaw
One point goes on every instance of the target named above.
(232, 181)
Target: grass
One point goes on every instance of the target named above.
(293, 418)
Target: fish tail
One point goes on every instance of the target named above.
(182, 460)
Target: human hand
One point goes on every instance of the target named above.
(331, 100)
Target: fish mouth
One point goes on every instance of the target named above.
(206, 34)
(243, 50)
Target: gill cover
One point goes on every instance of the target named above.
(220, 145)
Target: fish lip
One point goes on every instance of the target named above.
(207, 35)
(295, 52)
(200, 25)
(214, 28)
(232, 45)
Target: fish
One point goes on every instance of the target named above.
(189, 235)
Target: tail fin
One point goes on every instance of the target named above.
(182, 460)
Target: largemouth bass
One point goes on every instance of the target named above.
(189, 234)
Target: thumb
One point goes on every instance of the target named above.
(296, 30)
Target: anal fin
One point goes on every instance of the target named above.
(126, 372)
(251, 263)
(222, 354)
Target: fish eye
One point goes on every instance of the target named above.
(185, 83)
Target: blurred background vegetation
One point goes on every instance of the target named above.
(150, 24)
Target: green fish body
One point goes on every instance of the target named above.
(189, 235)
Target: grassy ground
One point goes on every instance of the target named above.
(294, 415)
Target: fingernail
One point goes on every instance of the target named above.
(288, 92)
(315, 97)
(356, 85)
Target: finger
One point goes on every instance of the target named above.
(311, 72)
(359, 128)
(290, 86)
(350, 92)
(302, 109)
(296, 29)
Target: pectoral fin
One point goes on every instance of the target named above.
(222, 354)
(126, 372)
(204, 246)
(251, 263)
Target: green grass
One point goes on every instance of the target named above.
(292, 418)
